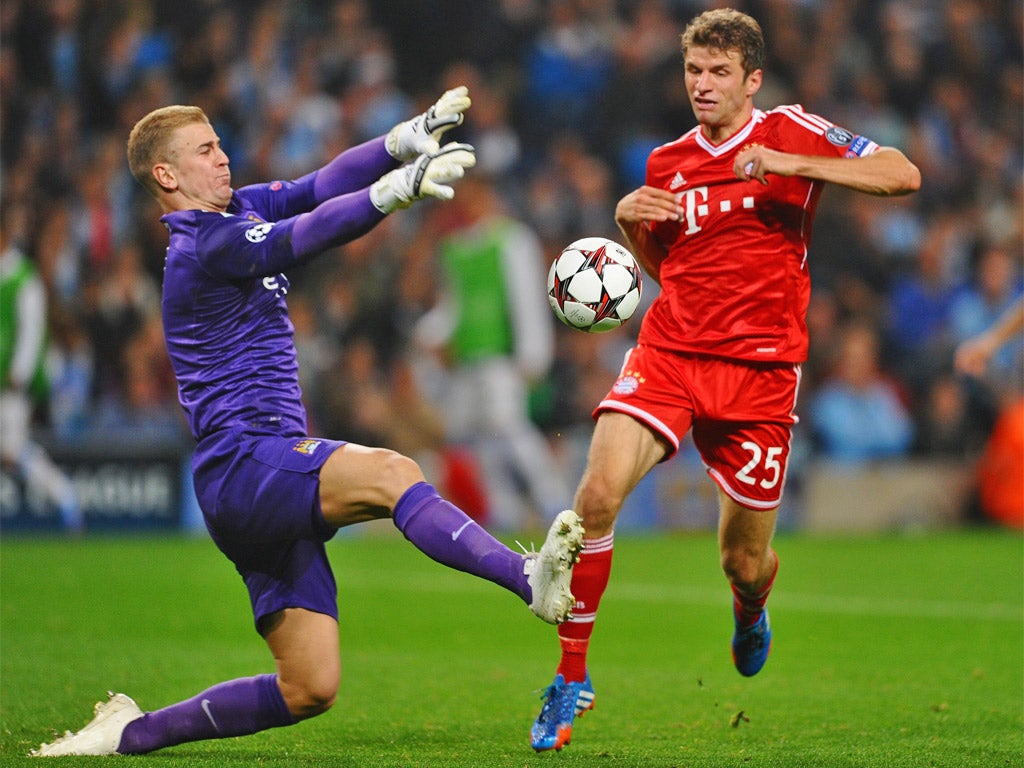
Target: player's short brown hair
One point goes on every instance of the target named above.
(149, 139)
(725, 29)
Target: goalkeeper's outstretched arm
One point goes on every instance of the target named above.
(361, 165)
(346, 217)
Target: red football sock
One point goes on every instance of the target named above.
(748, 606)
(589, 579)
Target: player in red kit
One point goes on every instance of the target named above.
(723, 224)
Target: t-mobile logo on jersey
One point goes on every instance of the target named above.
(695, 207)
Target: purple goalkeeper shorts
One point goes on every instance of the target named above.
(260, 496)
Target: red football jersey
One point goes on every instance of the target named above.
(735, 283)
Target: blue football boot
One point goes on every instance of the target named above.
(563, 703)
(750, 645)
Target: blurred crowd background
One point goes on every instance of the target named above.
(569, 97)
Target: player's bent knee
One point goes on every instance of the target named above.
(359, 483)
(403, 469)
(308, 709)
(311, 699)
(744, 567)
(398, 473)
(598, 504)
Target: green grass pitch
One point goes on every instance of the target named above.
(890, 651)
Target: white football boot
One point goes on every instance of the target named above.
(549, 571)
(101, 736)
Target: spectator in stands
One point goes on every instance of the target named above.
(71, 366)
(973, 354)
(917, 307)
(978, 306)
(949, 422)
(499, 148)
(119, 301)
(568, 69)
(858, 415)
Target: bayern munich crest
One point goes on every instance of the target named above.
(626, 385)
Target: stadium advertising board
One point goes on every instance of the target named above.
(121, 488)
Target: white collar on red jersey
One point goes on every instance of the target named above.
(716, 150)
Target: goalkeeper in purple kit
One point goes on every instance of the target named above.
(271, 494)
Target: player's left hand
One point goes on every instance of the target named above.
(755, 162)
(422, 134)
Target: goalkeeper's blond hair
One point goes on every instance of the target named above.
(148, 143)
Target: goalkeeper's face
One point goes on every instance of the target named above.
(196, 175)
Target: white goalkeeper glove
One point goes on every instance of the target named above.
(422, 134)
(428, 176)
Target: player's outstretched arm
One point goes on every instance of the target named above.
(885, 172)
(358, 167)
(429, 175)
(354, 169)
(422, 134)
(346, 217)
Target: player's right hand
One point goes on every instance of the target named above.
(648, 204)
(429, 176)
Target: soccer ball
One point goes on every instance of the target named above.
(594, 285)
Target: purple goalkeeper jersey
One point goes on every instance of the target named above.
(225, 317)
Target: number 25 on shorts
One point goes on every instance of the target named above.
(772, 467)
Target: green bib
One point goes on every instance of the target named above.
(477, 281)
(10, 287)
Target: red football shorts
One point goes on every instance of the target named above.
(741, 414)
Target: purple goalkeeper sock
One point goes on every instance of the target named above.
(234, 708)
(446, 534)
